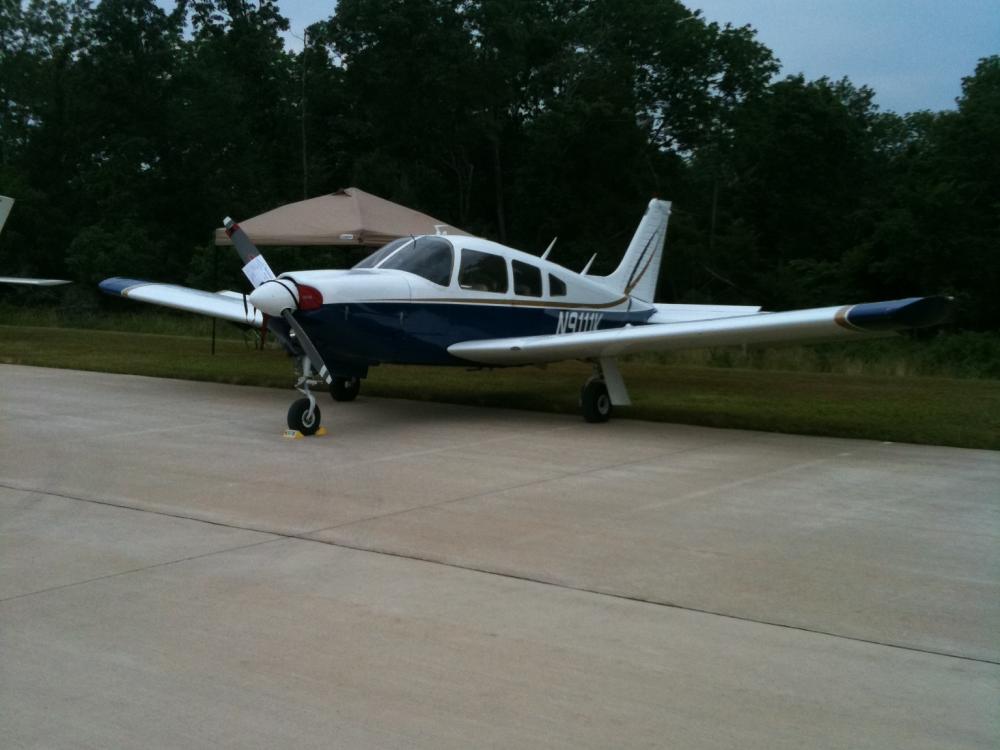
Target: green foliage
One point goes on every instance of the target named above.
(918, 410)
(956, 355)
(127, 131)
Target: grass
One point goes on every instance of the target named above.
(940, 411)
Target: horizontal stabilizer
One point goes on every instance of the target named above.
(670, 313)
(820, 324)
(224, 305)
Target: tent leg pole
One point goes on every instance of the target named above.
(215, 285)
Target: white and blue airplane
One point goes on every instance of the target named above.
(466, 301)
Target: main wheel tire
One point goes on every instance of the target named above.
(595, 403)
(345, 389)
(300, 419)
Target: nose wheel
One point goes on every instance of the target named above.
(304, 416)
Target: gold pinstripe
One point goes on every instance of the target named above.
(513, 302)
(840, 318)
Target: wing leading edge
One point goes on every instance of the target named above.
(225, 305)
(826, 323)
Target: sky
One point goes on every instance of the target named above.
(913, 53)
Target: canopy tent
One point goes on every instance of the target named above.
(347, 217)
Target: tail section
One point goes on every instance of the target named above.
(5, 205)
(639, 270)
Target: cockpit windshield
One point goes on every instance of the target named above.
(430, 257)
(383, 252)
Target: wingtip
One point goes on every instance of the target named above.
(913, 312)
(118, 285)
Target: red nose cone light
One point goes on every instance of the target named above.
(310, 298)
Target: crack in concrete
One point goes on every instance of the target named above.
(279, 536)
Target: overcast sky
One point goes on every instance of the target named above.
(913, 53)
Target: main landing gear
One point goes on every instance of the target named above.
(604, 390)
(595, 403)
(345, 389)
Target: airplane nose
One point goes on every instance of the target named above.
(275, 296)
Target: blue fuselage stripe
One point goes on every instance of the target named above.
(420, 333)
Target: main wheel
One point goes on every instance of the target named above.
(595, 402)
(300, 419)
(345, 389)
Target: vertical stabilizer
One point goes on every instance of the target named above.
(5, 205)
(639, 270)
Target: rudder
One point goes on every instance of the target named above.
(639, 270)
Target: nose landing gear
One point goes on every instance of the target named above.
(304, 414)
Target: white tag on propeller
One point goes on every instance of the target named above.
(258, 271)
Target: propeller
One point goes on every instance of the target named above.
(277, 297)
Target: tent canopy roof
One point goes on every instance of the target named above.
(347, 217)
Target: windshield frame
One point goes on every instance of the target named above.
(383, 254)
(414, 258)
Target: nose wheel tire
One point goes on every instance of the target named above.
(300, 418)
(595, 402)
(345, 389)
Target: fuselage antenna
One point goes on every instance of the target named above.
(589, 264)
(549, 248)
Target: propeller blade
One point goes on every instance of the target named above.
(254, 266)
(258, 271)
(307, 345)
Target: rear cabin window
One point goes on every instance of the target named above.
(430, 257)
(527, 279)
(483, 272)
(383, 252)
(557, 287)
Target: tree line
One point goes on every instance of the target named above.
(127, 131)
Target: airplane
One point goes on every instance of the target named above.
(6, 204)
(474, 303)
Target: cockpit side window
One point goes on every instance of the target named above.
(383, 252)
(527, 279)
(557, 287)
(483, 272)
(430, 257)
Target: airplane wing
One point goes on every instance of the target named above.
(820, 324)
(33, 282)
(225, 305)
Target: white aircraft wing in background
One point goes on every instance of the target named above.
(6, 204)
(32, 282)
(825, 323)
